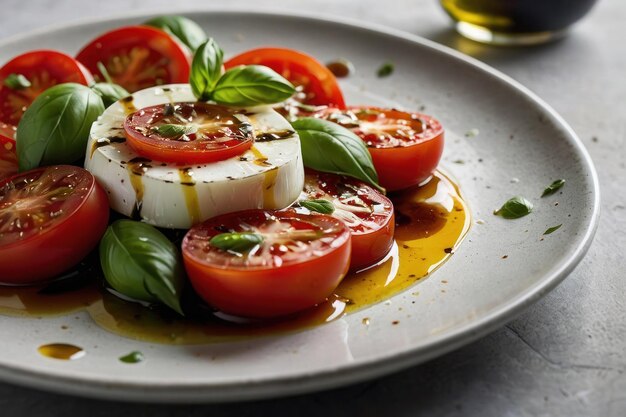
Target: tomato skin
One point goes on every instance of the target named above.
(157, 44)
(369, 248)
(301, 69)
(44, 69)
(43, 256)
(265, 292)
(8, 157)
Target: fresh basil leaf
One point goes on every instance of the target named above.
(552, 229)
(55, 127)
(206, 69)
(109, 93)
(553, 188)
(236, 242)
(132, 357)
(174, 131)
(385, 70)
(515, 208)
(139, 262)
(252, 85)
(16, 82)
(328, 147)
(320, 206)
(185, 30)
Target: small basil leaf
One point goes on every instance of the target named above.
(141, 263)
(55, 127)
(552, 229)
(385, 70)
(16, 82)
(515, 208)
(174, 131)
(185, 30)
(320, 206)
(132, 357)
(553, 188)
(328, 147)
(110, 93)
(206, 69)
(236, 242)
(252, 85)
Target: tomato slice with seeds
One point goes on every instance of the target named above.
(188, 133)
(368, 214)
(50, 219)
(299, 263)
(315, 83)
(405, 147)
(8, 157)
(43, 69)
(137, 57)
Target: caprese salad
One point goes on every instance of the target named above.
(280, 185)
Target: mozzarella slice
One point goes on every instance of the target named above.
(270, 175)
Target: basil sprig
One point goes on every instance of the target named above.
(185, 30)
(109, 92)
(55, 127)
(251, 85)
(553, 188)
(236, 242)
(320, 205)
(328, 147)
(141, 263)
(515, 208)
(16, 82)
(206, 69)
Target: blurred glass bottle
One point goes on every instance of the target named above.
(515, 22)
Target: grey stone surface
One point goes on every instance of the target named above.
(566, 355)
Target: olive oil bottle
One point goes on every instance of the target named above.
(515, 22)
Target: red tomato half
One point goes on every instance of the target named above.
(405, 147)
(50, 219)
(43, 69)
(137, 57)
(8, 157)
(367, 213)
(317, 86)
(188, 133)
(299, 264)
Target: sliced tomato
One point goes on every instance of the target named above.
(315, 83)
(8, 157)
(43, 69)
(188, 133)
(137, 57)
(50, 219)
(405, 147)
(299, 263)
(367, 213)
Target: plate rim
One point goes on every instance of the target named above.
(352, 372)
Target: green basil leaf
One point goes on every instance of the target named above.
(553, 188)
(385, 70)
(252, 85)
(174, 131)
(206, 69)
(552, 229)
(236, 242)
(185, 30)
(16, 82)
(55, 127)
(141, 263)
(132, 357)
(109, 93)
(320, 206)
(515, 208)
(328, 147)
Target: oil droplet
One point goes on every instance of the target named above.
(190, 193)
(129, 105)
(259, 158)
(61, 351)
(341, 68)
(132, 357)
(366, 321)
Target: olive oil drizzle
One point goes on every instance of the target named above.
(61, 351)
(259, 158)
(269, 181)
(128, 104)
(99, 143)
(136, 168)
(190, 193)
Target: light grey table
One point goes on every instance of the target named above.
(567, 354)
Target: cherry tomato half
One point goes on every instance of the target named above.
(316, 85)
(8, 157)
(367, 213)
(43, 69)
(137, 57)
(50, 219)
(188, 133)
(405, 147)
(299, 264)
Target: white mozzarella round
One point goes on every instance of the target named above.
(270, 175)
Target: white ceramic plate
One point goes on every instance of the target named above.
(520, 138)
